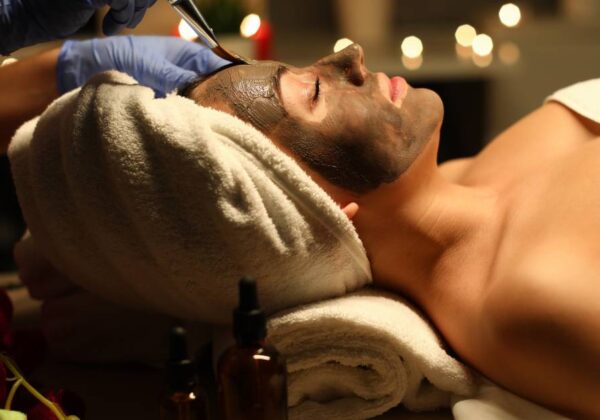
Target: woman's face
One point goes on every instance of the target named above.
(357, 129)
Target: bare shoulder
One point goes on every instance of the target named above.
(544, 135)
(552, 227)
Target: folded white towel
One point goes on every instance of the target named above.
(349, 357)
(580, 97)
(357, 356)
(162, 204)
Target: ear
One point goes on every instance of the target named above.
(350, 210)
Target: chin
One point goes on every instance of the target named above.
(423, 112)
(431, 106)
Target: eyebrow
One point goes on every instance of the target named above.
(280, 72)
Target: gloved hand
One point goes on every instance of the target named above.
(162, 63)
(26, 22)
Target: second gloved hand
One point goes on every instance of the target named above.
(26, 22)
(162, 63)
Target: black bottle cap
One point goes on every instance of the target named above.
(180, 369)
(249, 322)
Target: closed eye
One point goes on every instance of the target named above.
(317, 89)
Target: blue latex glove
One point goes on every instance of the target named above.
(26, 22)
(162, 63)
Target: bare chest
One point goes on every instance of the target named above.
(547, 169)
(548, 245)
(552, 227)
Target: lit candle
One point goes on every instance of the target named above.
(263, 39)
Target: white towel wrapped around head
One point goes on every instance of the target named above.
(163, 204)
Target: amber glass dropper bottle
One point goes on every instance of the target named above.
(180, 401)
(251, 375)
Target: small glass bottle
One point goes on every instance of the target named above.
(181, 401)
(251, 375)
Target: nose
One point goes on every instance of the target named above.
(350, 62)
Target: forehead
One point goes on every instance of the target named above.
(250, 92)
(244, 76)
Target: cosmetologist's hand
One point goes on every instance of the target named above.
(160, 62)
(26, 22)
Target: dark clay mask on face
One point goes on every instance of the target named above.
(363, 141)
(251, 90)
(359, 145)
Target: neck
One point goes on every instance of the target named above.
(420, 230)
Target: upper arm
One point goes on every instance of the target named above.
(27, 88)
(540, 138)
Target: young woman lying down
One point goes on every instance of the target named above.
(500, 250)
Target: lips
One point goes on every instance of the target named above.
(398, 88)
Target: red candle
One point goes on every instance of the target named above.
(263, 41)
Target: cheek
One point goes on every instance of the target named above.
(364, 120)
(348, 116)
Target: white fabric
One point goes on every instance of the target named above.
(495, 403)
(359, 355)
(583, 98)
(162, 204)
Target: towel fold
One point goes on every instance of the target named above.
(350, 357)
(357, 356)
(162, 204)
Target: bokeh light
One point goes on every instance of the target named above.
(482, 45)
(413, 63)
(510, 15)
(411, 47)
(482, 61)
(185, 31)
(465, 34)
(250, 25)
(342, 43)
(509, 53)
(8, 61)
(463, 53)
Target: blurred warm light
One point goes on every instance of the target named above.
(250, 25)
(411, 47)
(342, 43)
(482, 60)
(464, 35)
(8, 61)
(509, 53)
(510, 15)
(185, 31)
(463, 53)
(412, 63)
(482, 45)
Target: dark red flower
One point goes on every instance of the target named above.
(28, 348)
(6, 311)
(3, 384)
(70, 403)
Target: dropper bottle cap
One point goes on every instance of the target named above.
(180, 369)
(249, 321)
